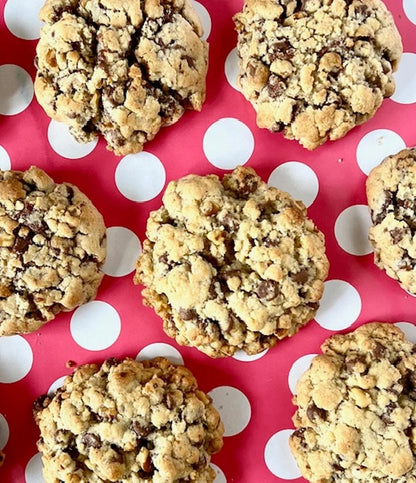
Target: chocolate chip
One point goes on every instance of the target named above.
(140, 430)
(397, 234)
(41, 403)
(379, 217)
(20, 244)
(361, 9)
(282, 50)
(164, 259)
(379, 351)
(229, 223)
(275, 86)
(147, 465)
(338, 468)
(300, 277)
(313, 413)
(352, 363)
(187, 314)
(169, 401)
(91, 440)
(268, 290)
(385, 417)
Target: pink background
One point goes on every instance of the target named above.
(364, 293)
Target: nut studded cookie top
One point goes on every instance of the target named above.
(118, 68)
(52, 246)
(314, 69)
(391, 194)
(128, 422)
(231, 264)
(356, 416)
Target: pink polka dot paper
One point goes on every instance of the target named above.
(253, 394)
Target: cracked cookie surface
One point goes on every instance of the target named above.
(391, 195)
(356, 416)
(128, 422)
(120, 69)
(314, 69)
(231, 264)
(52, 246)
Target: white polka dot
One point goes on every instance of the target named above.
(159, 349)
(297, 369)
(410, 293)
(405, 79)
(244, 357)
(16, 89)
(296, 178)
(351, 230)
(140, 177)
(16, 358)
(409, 7)
(408, 329)
(33, 471)
(234, 408)
(64, 144)
(232, 68)
(278, 457)
(56, 385)
(228, 143)
(123, 248)
(375, 146)
(22, 18)
(4, 159)
(205, 19)
(340, 305)
(219, 474)
(4, 431)
(95, 325)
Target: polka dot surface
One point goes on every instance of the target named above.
(297, 179)
(140, 177)
(95, 326)
(243, 357)
(376, 146)
(4, 431)
(351, 230)
(278, 457)
(204, 17)
(64, 144)
(56, 385)
(409, 7)
(408, 329)
(4, 159)
(405, 79)
(234, 408)
(228, 143)
(340, 305)
(298, 368)
(123, 249)
(33, 471)
(22, 18)
(16, 89)
(16, 358)
(219, 474)
(232, 69)
(160, 349)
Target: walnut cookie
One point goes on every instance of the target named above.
(391, 195)
(120, 69)
(52, 247)
(314, 69)
(356, 415)
(231, 264)
(128, 422)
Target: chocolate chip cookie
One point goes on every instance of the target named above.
(120, 69)
(128, 421)
(391, 194)
(314, 69)
(231, 264)
(356, 416)
(52, 246)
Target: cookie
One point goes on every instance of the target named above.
(52, 246)
(356, 415)
(231, 264)
(128, 421)
(314, 69)
(391, 195)
(120, 69)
